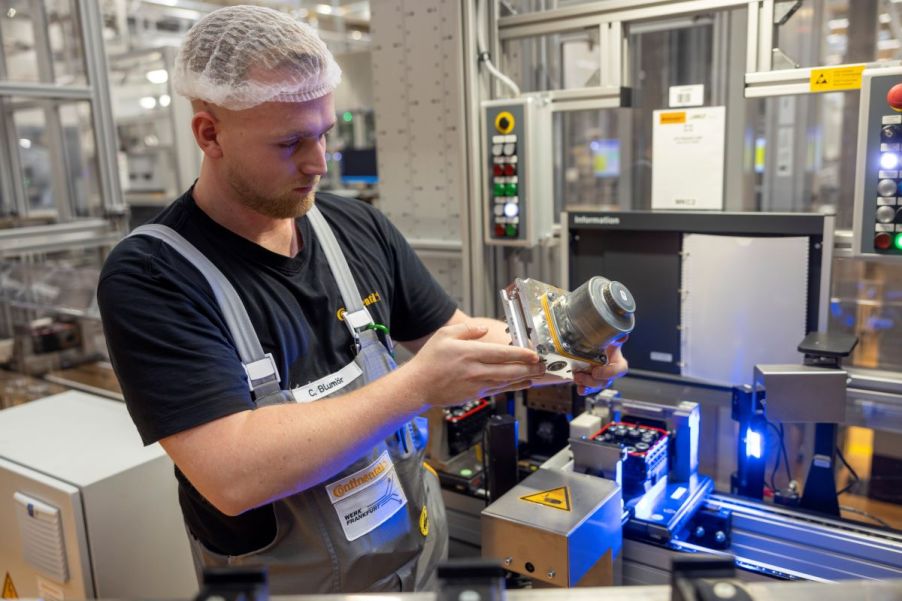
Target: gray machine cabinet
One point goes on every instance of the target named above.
(86, 510)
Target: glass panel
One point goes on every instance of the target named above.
(57, 158)
(42, 42)
(81, 159)
(519, 7)
(64, 33)
(553, 62)
(34, 158)
(597, 165)
(143, 116)
(867, 301)
(830, 32)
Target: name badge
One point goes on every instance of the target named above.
(327, 385)
(367, 498)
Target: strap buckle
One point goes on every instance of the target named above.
(357, 321)
(262, 372)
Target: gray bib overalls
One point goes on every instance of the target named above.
(325, 543)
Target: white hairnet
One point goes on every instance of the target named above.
(241, 56)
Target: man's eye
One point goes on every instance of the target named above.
(288, 144)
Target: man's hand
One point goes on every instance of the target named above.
(598, 378)
(456, 365)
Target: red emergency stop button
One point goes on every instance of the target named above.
(883, 241)
(894, 97)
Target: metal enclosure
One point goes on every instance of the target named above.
(801, 393)
(86, 510)
(557, 545)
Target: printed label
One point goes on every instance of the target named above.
(327, 385)
(367, 498)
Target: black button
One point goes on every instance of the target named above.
(504, 123)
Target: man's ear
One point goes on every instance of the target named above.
(205, 127)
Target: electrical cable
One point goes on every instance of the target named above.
(857, 511)
(851, 484)
(783, 454)
(484, 57)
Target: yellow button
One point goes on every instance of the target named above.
(505, 122)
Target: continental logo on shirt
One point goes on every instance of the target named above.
(367, 301)
(350, 485)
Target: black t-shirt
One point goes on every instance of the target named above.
(172, 351)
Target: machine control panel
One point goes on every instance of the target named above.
(518, 200)
(878, 184)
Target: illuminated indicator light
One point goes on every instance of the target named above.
(512, 189)
(466, 472)
(883, 241)
(347, 116)
(509, 170)
(511, 231)
(753, 444)
(498, 170)
(500, 190)
(511, 210)
(889, 160)
(897, 242)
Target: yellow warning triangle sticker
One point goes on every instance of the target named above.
(9, 589)
(821, 80)
(559, 498)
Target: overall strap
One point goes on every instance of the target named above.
(356, 315)
(262, 373)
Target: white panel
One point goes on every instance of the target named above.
(744, 302)
(41, 529)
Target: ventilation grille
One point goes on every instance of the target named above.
(41, 529)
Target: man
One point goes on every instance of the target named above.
(318, 473)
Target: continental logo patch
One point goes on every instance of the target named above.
(373, 298)
(362, 478)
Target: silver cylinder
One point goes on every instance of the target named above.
(594, 315)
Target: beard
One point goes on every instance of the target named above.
(283, 205)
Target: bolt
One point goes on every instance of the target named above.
(699, 532)
(541, 349)
(550, 574)
(508, 560)
(720, 537)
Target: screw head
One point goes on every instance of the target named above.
(699, 532)
(550, 574)
(720, 537)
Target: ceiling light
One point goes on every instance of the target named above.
(25, 143)
(324, 9)
(165, 100)
(147, 102)
(158, 76)
(356, 35)
(11, 13)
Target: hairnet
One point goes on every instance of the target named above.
(241, 56)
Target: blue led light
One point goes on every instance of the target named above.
(889, 160)
(753, 444)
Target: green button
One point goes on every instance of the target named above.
(511, 189)
(466, 472)
(500, 190)
(898, 241)
(511, 230)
